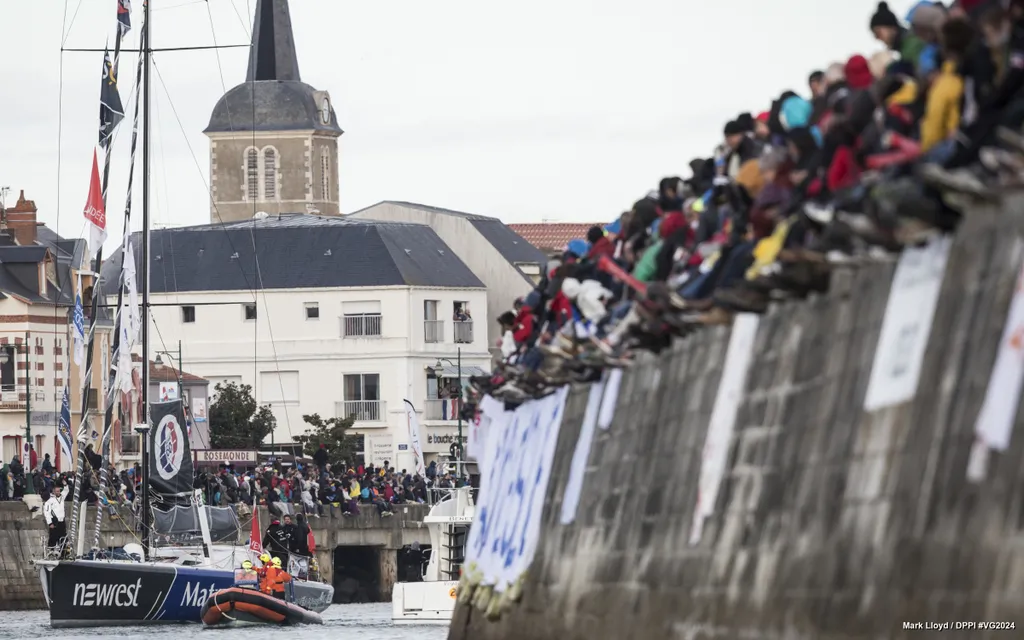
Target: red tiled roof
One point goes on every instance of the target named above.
(164, 373)
(552, 235)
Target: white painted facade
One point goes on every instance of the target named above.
(362, 351)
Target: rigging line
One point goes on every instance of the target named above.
(180, 376)
(252, 230)
(231, 243)
(166, 193)
(245, 25)
(205, 47)
(67, 32)
(56, 224)
(199, 168)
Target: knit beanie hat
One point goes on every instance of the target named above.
(884, 17)
(858, 75)
(733, 128)
(745, 121)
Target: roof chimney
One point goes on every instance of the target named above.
(21, 221)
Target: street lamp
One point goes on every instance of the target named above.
(5, 357)
(438, 370)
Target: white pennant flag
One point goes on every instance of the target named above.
(130, 318)
(414, 438)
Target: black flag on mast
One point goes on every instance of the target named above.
(111, 109)
(170, 458)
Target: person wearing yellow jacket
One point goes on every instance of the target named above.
(942, 109)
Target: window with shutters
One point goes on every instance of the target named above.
(252, 168)
(325, 175)
(269, 173)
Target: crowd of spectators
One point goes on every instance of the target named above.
(883, 151)
(315, 490)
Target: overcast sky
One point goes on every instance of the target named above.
(528, 111)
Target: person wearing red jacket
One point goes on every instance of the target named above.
(600, 245)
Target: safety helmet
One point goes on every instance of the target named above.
(247, 565)
(277, 562)
(264, 558)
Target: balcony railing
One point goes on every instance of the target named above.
(433, 331)
(363, 325)
(441, 409)
(361, 410)
(464, 332)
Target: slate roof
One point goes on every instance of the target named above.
(510, 245)
(548, 236)
(297, 251)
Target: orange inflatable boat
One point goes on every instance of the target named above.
(234, 605)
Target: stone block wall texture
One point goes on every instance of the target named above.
(831, 523)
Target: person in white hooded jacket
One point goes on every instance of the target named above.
(53, 515)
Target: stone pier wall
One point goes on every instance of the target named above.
(831, 523)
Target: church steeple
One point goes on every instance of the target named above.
(272, 56)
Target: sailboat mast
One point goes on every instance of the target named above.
(146, 53)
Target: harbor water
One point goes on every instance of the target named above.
(348, 621)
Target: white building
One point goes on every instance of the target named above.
(504, 261)
(322, 315)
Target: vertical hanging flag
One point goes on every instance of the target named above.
(64, 426)
(95, 211)
(78, 320)
(124, 16)
(111, 109)
(414, 438)
(130, 320)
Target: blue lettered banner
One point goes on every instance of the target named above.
(516, 468)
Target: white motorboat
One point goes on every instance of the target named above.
(432, 601)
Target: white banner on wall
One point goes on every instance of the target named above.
(718, 441)
(380, 448)
(907, 325)
(610, 399)
(199, 408)
(515, 471)
(1002, 397)
(480, 427)
(580, 457)
(415, 438)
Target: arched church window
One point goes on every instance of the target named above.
(325, 175)
(252, 176)
(269, 173)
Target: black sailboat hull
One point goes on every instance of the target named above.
(88, 593)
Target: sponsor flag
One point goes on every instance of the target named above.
(131, 320)
(111, 109)
(124, 16)
(64, 426)
(95, 211)
(414, 438)
(170, 459)
(78, 320)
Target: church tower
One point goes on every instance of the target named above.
(274, 138)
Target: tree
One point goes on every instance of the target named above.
(333, 432)
(235, 419)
